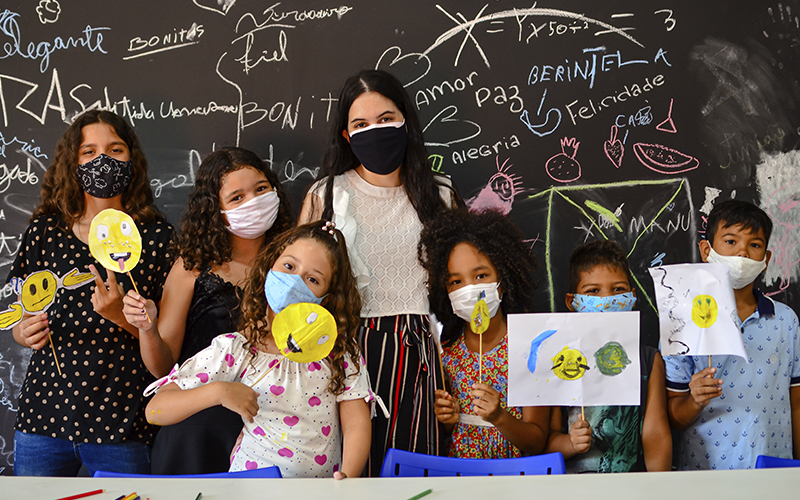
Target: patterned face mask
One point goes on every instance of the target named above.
(613, 303)
(105, 177)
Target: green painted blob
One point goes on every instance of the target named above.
(611, 359)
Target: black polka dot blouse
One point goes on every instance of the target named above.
(99, 397)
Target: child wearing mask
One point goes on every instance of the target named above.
(309, 419)
(467, 255)
(236, 207)
(754, 407)
(89, 409)
(612, 438)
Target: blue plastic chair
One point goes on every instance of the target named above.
(400, 463)
(265, 473)
(765, 462)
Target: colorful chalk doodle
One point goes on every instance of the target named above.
(499, 191)
(696, 308)
(609, 376)
(664, 160)
(613, 148)
(563, 167)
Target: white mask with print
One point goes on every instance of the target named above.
(741, 270)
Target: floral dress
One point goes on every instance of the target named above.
(297, 425)
(472, 436)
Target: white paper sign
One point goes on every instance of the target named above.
(573, 359)
(696, 308)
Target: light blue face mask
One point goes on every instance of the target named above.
(614, 303)
(283, 290)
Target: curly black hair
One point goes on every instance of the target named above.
(203, 239)
(494, 236)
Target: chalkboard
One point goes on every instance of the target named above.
(581, 119)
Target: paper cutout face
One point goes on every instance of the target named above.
(611, 359)
(114, 240)
(569, 364)
(38, 292)
(479, 319)
(704, 311)
(304, 332)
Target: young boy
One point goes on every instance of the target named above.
(612, 438)
(753, 408)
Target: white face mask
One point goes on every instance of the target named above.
(252, 219)
(464, 299)
(741, 270)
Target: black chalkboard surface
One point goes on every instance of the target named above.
(624, 120)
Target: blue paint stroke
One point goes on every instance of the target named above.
(535, 343)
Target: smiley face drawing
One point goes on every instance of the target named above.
(38, 292)
(704, 311)
(115, 241)
(304, 332)
(569, 364)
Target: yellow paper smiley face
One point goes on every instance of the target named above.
(115, 241)
(304, 332)
(38, 291)
(569, 364)
(704, 311)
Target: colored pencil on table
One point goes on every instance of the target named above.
(420, 495)
(81, 495)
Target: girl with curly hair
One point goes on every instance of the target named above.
(377, 185)
(236, 207)
(81, 402)
(311, 420)
(468, 256)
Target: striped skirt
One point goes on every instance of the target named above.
(403, 365)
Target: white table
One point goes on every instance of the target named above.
(705, 485)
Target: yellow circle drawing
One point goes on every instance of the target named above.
(38, 291)
(569, 364)
(115, 241)
(479, 319)
(704, 311)
(304, 332)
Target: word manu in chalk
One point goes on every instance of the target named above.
(485, 150)
(591, 108)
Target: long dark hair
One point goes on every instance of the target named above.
(62, 193)
(204, 239)
(342, 300)
(493, 235)
(420, 183)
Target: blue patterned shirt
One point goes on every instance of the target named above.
(753, 415)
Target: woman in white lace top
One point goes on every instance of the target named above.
(378, 187)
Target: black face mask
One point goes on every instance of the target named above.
(381, 148)
(105, 177)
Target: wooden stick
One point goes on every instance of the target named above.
(137, 292)
(709, 361)
(583, 415)
(55, 356)
(480, 359)
(266, 372)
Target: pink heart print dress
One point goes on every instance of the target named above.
(297, 425)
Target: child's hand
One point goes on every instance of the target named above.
(339, 475)
(487, 402)
(704, 387)
(580, 435)
(33, 330)
(237, 397)
(134, 307)
(446, 408)
(107, 297)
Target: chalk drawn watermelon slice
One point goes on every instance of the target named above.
(664, 160)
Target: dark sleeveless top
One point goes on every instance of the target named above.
(202, 443)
